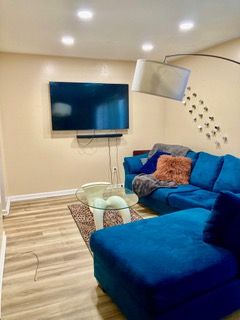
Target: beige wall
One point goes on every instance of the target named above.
(216, 82)
(39, 161)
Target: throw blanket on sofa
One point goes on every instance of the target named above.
(145, 184)
(174, 150)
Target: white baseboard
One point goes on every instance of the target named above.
(2, 259)
(39, 195)
(32, 196)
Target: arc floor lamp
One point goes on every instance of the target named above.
(163, 79)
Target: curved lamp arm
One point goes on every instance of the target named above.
(199, 55)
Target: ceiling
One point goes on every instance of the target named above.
(118, 28)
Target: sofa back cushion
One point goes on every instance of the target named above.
(222, 227)
(229, 177)
(206, 170)
(193, 156)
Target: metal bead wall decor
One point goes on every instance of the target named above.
(208, 135)
(225, 139)
(203, 120)
(213, 132)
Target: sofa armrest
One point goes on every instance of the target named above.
(133, 164)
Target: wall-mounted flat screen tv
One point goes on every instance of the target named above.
(85, 106)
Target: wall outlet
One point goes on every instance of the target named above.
(114, 170)
(119, 185)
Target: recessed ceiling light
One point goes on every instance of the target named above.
(68, 40)
(147, 47)
(186, 25)
(85, 14)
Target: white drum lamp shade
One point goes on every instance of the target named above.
(160, 79)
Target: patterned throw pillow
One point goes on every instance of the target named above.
(170, 168)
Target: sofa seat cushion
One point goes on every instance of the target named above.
(206, 170)
(163, 261)
(229, 177)
(162, 194)
(199, 198)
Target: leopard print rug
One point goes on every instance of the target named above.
(85, 223)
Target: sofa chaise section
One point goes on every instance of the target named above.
(160, 268)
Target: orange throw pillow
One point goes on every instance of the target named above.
(170, 168)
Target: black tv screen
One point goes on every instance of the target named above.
(85, 106)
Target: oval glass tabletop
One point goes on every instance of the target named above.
(106, 196)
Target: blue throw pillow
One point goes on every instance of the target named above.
(151, 165)
(223, 226)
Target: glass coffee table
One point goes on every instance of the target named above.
(101, 196)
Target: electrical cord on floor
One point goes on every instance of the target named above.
(37, 264)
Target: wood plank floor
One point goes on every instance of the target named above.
(65, 288)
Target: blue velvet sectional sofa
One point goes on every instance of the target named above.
(210, 175)
(161, 268)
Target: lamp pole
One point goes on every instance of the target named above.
(199, 55)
